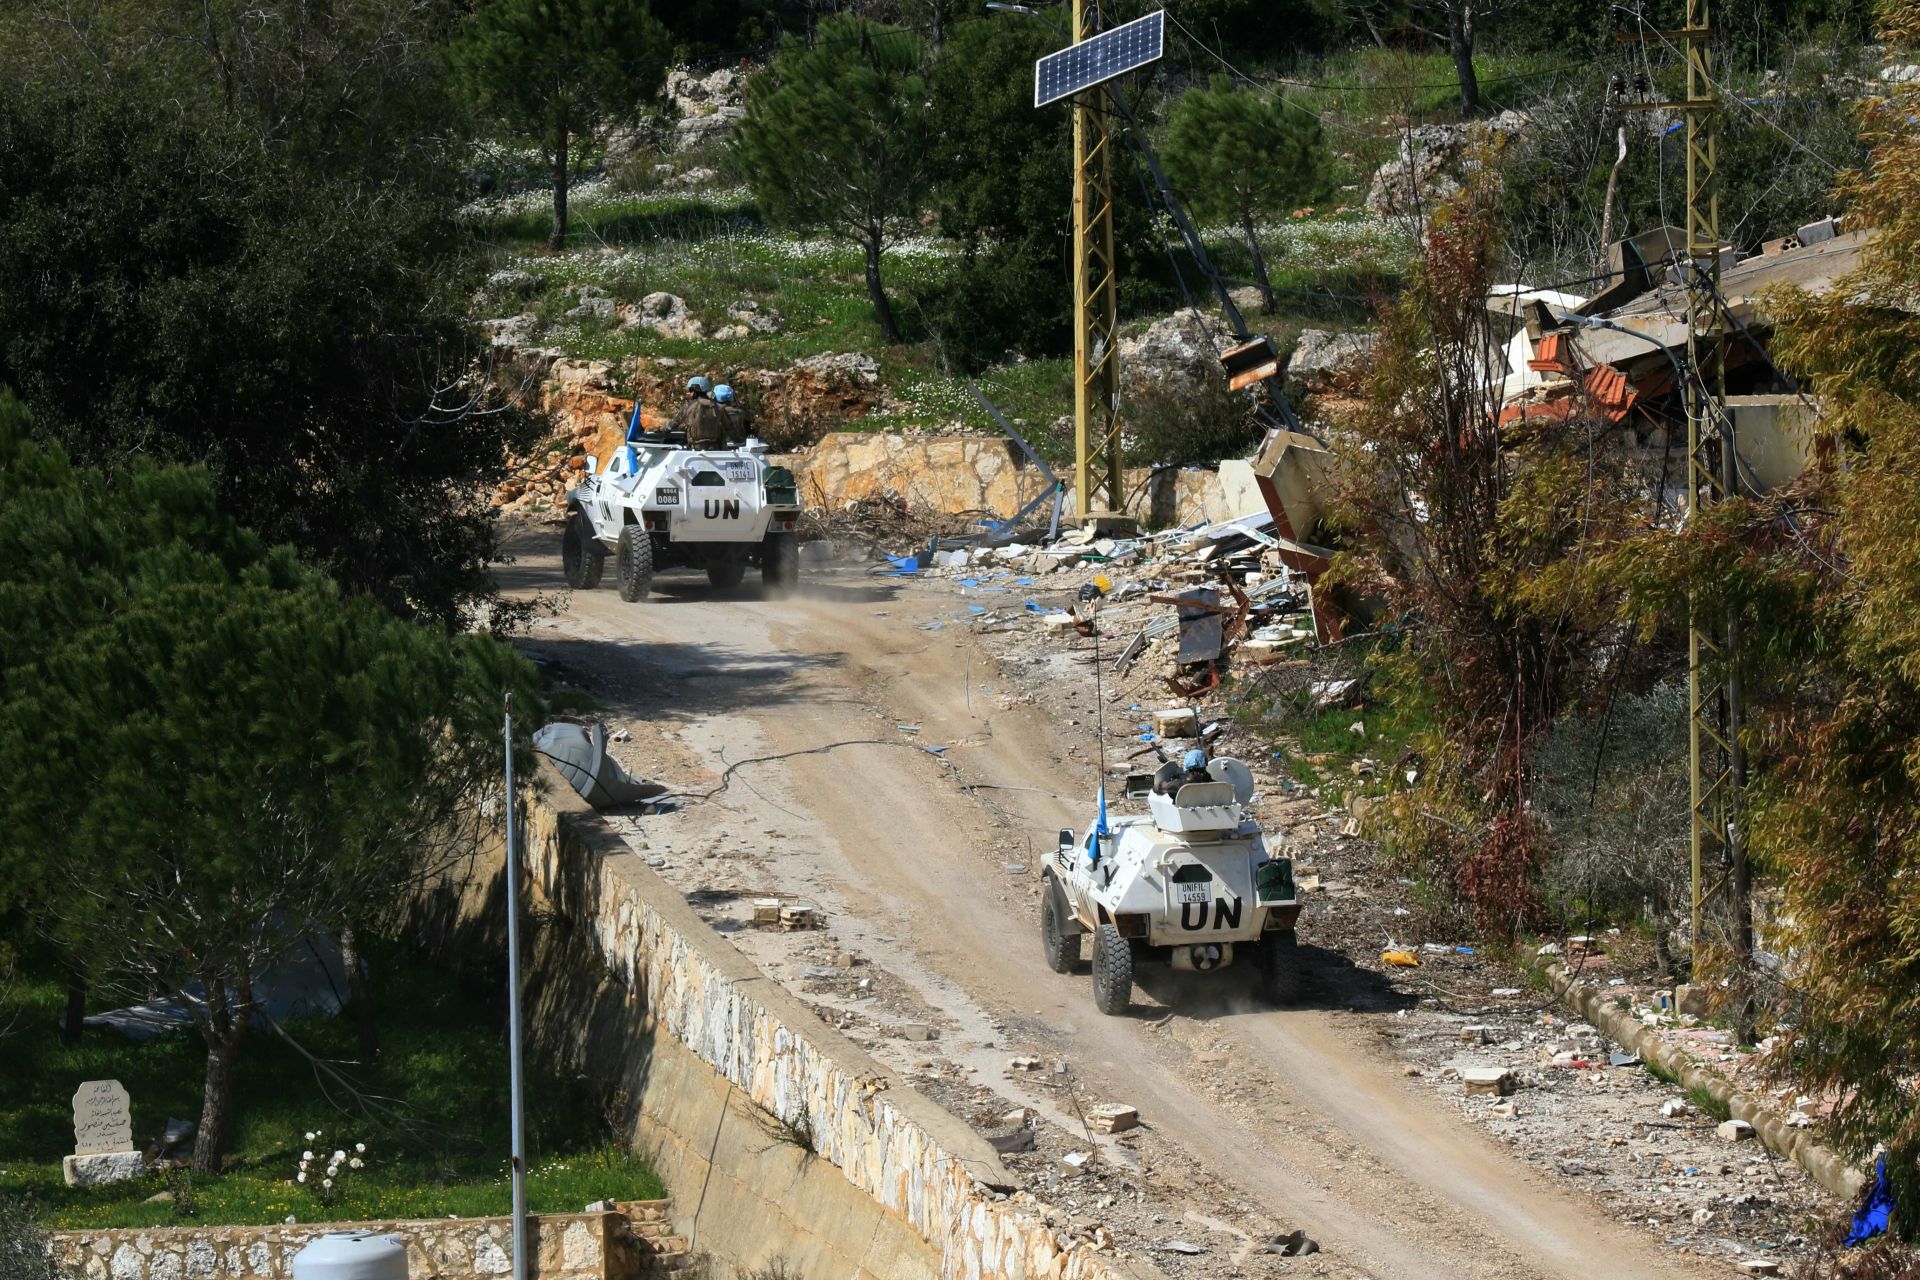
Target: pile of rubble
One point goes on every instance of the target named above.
(1191, 601)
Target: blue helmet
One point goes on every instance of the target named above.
(1196, 759)
(700, 383)
(723, 394)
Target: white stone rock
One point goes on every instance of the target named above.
(127, 1264)
(1321, 357)
(489, 1258)
(578, 1248)
(1734, 1130)
(593, 309)
(166, 1264)
(202, 1260)
(849, 364)
(102, 1167)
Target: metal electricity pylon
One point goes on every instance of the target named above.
(1716, 838)
(1096, 303)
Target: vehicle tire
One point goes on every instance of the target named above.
(635, 563)
(1112, 971)
(780, 564)
(1283, 980)
(1062, 947)
(581, 558)
(726, 574)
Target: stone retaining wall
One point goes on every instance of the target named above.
(780, 1138)
(988, 473)
(570, 1246)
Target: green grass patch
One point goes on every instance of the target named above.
(442, 1069)
(1705, 1103)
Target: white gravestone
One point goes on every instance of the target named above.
(102, 1136)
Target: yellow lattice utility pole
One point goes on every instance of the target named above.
(1718, 764)
(1096, 385)
(1716, 839)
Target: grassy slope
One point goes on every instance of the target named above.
(443, 1067)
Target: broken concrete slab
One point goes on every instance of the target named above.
(1113, 1117)
(1494, 1080)
(1734, 1131)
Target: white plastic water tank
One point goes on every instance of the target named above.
(351, 1255)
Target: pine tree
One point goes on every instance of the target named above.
(1238, 154)
(209, 753)
(836, 133)
(561, 69)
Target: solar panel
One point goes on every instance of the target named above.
(1100, 58)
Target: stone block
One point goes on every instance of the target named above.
(102, 1167)
(1689, 1000)
(1494, 1080)
(1476, 1033)
(1759, 1266)
(1177, 722)
(1734, 1130)
(1113, 1117)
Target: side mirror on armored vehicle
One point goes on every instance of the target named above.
(593, 464)
(1139, 786)
(1066, 837)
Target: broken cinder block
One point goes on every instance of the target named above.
(1734, 1130)
(1494, 1080)
(1113, 1117)
(766, 911)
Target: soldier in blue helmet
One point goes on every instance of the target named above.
(735, 413)
(1193, 768)
(698, 416)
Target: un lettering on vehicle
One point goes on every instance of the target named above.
(1221, 913)
(721, 508)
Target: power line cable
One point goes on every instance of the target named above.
(1739, 100)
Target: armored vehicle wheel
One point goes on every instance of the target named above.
(780, 564)
(635, 563)
(726, 574)
(1112, 971)
(1061, 946)
(581, 558)
(1281, 978)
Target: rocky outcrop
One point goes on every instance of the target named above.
(795, 406)
(1175, 349)
(708, 106)
(1324, 362)
(1434, 159)
(664, 313)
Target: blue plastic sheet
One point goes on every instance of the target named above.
(905, 564)
(1872, 1219)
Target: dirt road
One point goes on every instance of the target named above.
(917, 842)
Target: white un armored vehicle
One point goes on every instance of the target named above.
(661, 505)
(1189, 883)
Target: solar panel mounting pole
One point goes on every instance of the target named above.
(1096, 382)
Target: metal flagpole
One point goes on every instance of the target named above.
(519, 1156)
